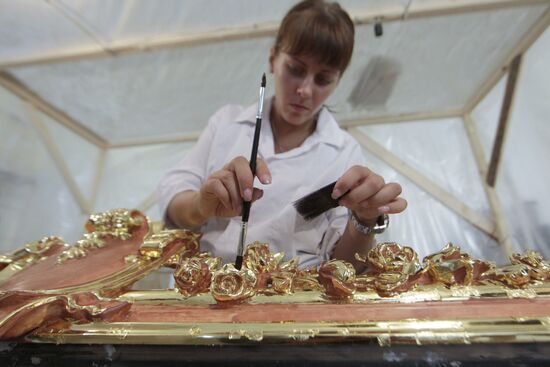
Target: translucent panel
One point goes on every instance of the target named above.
(438, 62)
(132, 174)
(440, 150)
(523, 178)
(10, 105)
(30, 28)
(153, 94)
(34, 200)
(130, 19)
(80, 156)
(427, 225)
(426, 64)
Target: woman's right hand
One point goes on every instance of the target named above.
(223, 192)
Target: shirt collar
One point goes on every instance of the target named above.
(327, 131)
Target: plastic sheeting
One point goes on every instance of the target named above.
(522, 181)
(34, 199)
(174, 91)
(427, 224)
(132, 174)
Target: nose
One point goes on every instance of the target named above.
(305, 88)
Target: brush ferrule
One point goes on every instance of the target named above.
(242, 238)
(261, 104)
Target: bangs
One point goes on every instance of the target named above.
(320, 36)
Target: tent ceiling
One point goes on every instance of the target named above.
(419, 65)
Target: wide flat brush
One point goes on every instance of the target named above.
(253, 156)
(318, 202)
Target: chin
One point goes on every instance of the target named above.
(297, 119)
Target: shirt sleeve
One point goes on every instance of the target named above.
(338, 217)
(191, 171)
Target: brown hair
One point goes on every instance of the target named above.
(319, 29)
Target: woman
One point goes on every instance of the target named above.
(301, 150)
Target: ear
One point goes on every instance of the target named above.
(272, 56)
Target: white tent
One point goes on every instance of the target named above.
(99, 98)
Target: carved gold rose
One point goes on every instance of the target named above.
(230, 285)
(539, 268)
(452, 267)
(338, 279)
(193, 275)
(391, 257)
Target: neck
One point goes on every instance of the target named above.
(287, 136)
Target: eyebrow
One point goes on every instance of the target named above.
(330, 71)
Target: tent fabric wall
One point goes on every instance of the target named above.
(439, 63)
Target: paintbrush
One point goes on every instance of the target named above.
(253, 155)
(318, 202)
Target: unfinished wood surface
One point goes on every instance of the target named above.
(446, 198)
(23, 92)
(426, 8)
(57, 157)
(504, 117)
(502, 229)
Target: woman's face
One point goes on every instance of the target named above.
(302, 85)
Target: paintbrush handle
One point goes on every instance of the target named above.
(255, 143)
(253, 156)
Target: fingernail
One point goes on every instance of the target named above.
(247, 195)
(384, 209)
(336, 193)
(266, 179)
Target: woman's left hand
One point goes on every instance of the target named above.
(369, 195)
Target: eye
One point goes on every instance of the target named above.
(323, 80)
(295, 70)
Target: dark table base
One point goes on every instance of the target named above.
(350, 354)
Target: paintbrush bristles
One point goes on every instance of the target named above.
(316, 203)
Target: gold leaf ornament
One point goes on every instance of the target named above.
(230, 285)
(338, 279)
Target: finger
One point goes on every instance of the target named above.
(258, 193)
(227, 178)
(396, 206)
(349, 179)
(244, 177)
(218, 189)
(262, 172)
(230, 182)
(370, 186)
(386, 194)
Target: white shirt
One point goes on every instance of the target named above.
(321, 159)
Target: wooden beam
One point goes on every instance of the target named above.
(502, 230)
(423, 9)
(23, 92)
(404, 117)
(523, 45)
(157, 140)
(507, 104)
(51, 146)
(425, 183)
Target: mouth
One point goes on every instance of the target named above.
(299, 107)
